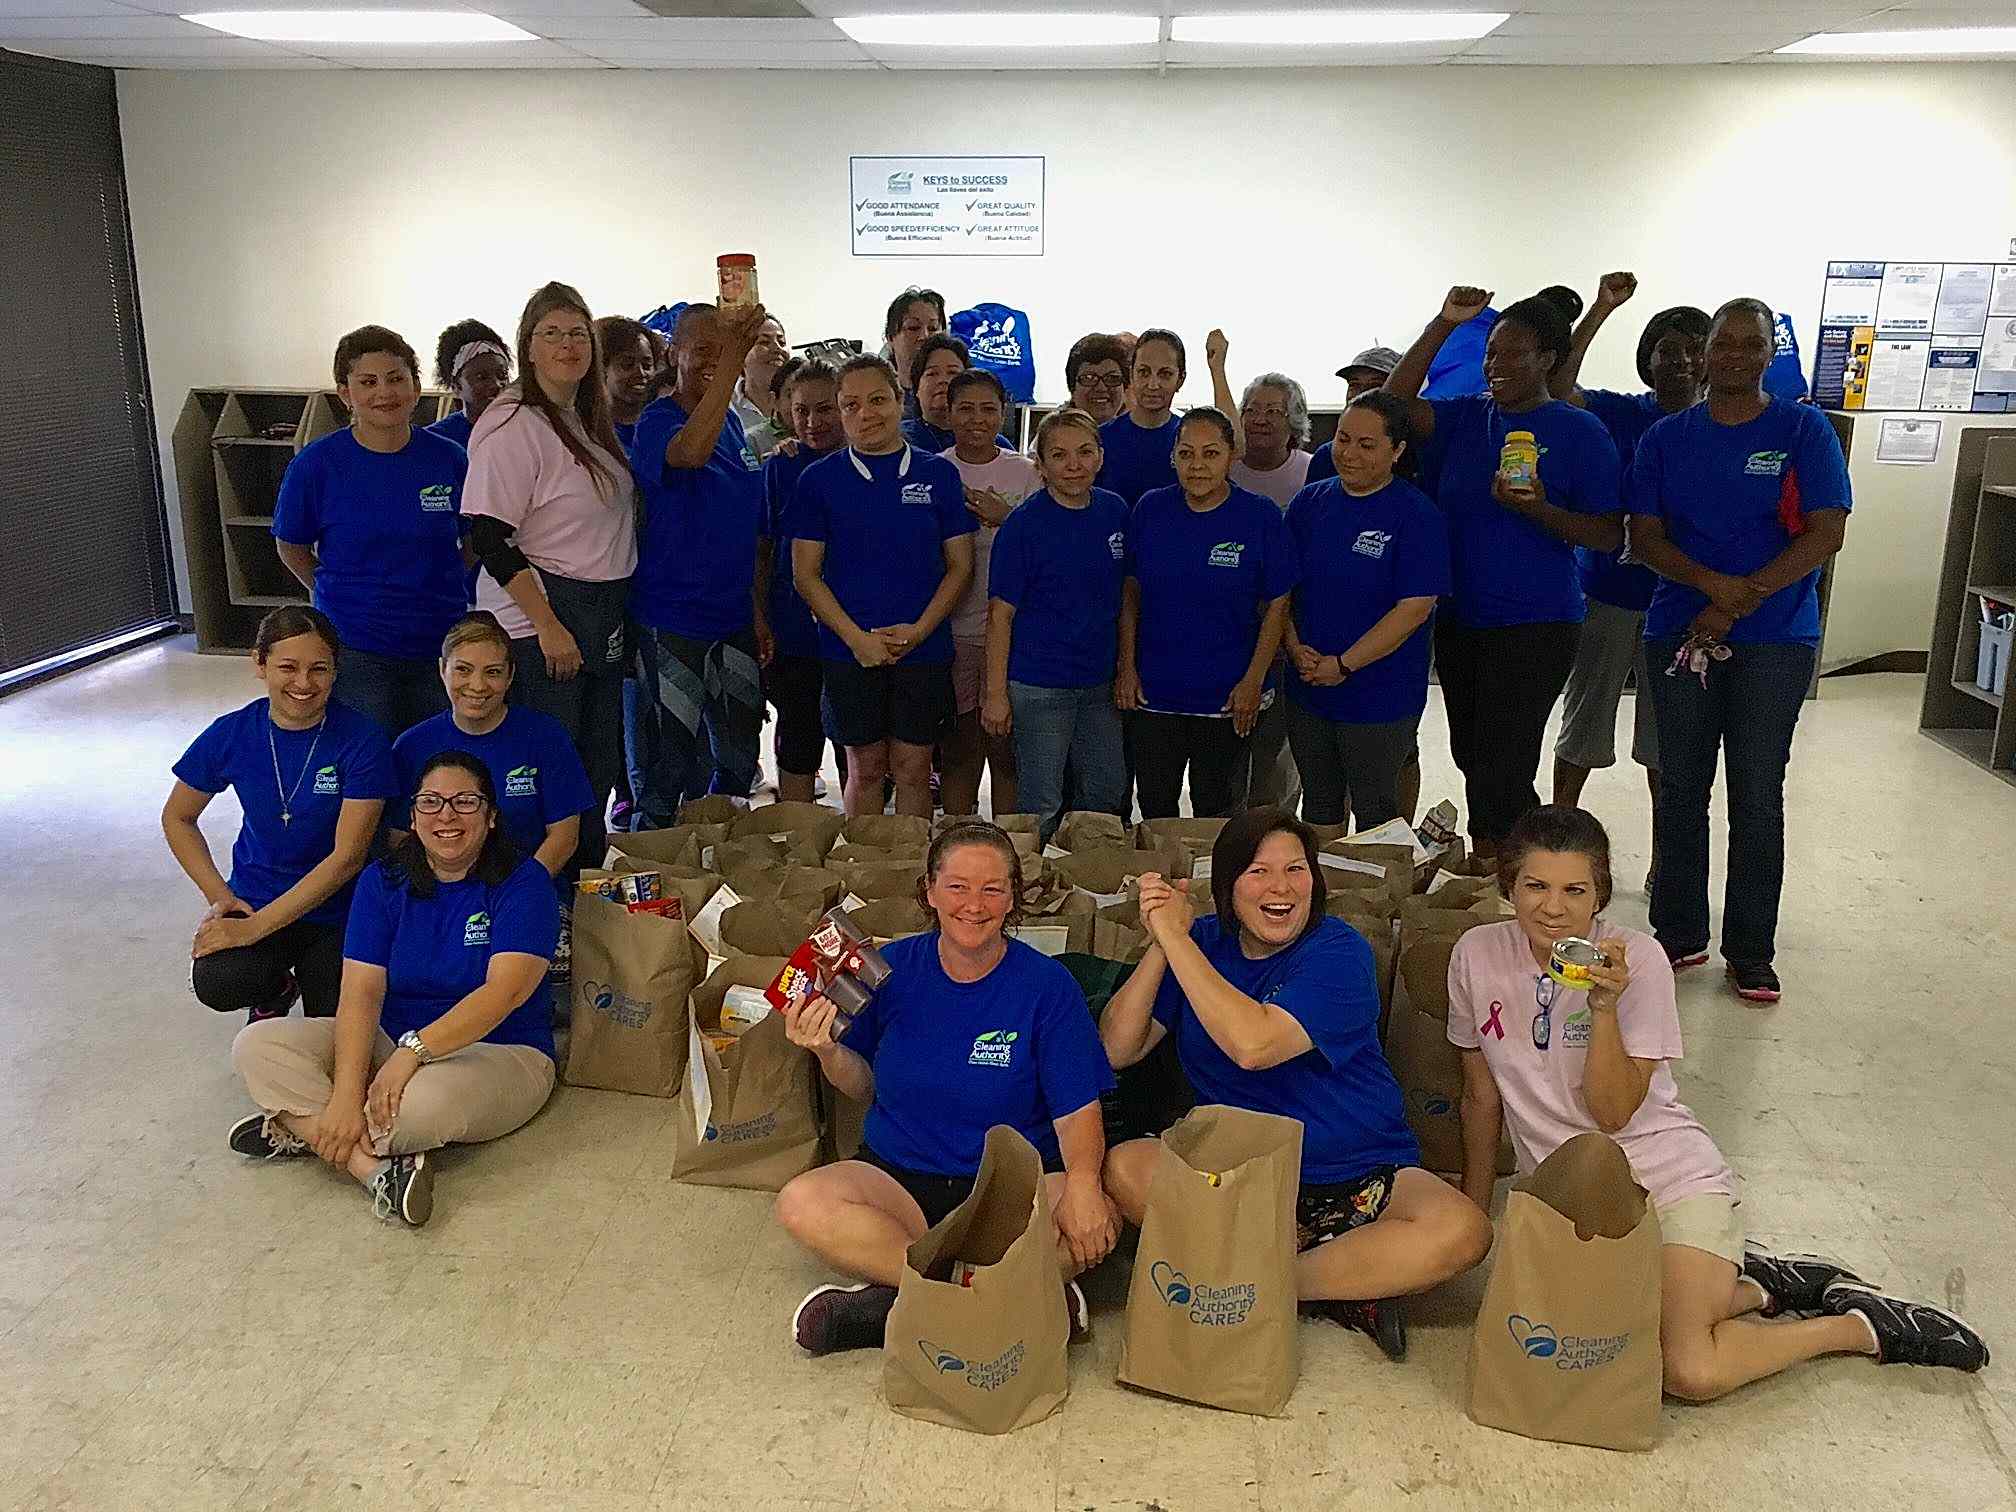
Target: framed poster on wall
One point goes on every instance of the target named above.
(945, 206)
(1917, 336)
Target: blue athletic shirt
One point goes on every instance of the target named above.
(533, 765)
(1137, 459)
(885, 521)
(1322, 464)
(797, 633)
(1725, 493)
(953, 1059)
(626, 432)
(387, 533)
(1062, 569)
(1342, 1090)
(696, 556)
(352, 759)
(1360, 557)
(456, 426)
(436, 951)
(1605, 578)
(1206, 580)
(1505, 569)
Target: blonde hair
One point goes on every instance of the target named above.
(478, 627)
(1057, 420)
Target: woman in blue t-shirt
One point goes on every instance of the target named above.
(881, 550)
(1736, 504)
(311, 776)
(973, 1029)
(1053, 624)
(1506, 639)
(443, 1035)
(471, 362)
(1275, 1009)
(369, 519)
(1140, 440)
(1374, 555)
(1209, 566)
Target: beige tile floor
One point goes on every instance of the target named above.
(181, 1330)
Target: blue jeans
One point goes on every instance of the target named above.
(1746, 713)
(395, 692)
(1078, 726)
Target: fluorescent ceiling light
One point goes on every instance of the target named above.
(1922, 43)
(405, 28)
(1336, 28)
(1023, 29)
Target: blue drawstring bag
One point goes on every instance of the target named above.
(664, 318)
(1785, 379)
(1458, 369)
(998, 340)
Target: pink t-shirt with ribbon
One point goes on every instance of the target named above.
(1496, 991)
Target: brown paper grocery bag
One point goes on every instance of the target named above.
(899, 834)
(873, 883)
(1190, 839)
(1429, 1068)
(1351, 860)
(765, 929)
(842, 1121)
(1211, 1306)
(1107, 872)
(714, 808)
(1118, 934)
(1024, 831)
(678, 846)
(747, 1116)
(691, 886)
(803, 886)
(1081, 829)
(890, 918)
(1566, 1345)
(810, 827)
(632, 975)
(846, 854)
(987, 1356)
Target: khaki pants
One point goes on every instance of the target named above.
(481, 1092)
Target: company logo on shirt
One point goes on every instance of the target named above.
(1212, 1306)
(986, 1375)
(1227, 553)
(750, 461)
(477, 930)
(522, 782)
(438, 498)
(1575, 1029)
(1372, 543)
(917, 493)
(326, 780)
(1538, 1341)
(994, 1048)
(1117, 544)
(1765, 464)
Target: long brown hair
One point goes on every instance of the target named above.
(591, 399)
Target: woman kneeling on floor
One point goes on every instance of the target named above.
(973, 1029)
(1558, 1062)
(443, 1033)
(1275, 1008)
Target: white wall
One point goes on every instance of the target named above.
(1306, 211)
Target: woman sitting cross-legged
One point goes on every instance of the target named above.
(1557, 1062)
(442, 1034)
(971, 1030)
(1275, 1008)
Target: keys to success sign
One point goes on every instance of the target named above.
(946, 206)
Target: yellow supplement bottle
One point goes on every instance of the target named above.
(1519, 462)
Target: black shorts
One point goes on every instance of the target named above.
(936, 1195)
(792, 683)
(907, 701)
(1331, 1209)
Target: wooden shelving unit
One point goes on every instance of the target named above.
(1980, 562)
(232, 446)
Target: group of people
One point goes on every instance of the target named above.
(570, 601)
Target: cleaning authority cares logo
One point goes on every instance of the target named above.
(476, 931)
(327, 780)
(1211, 1306)
(1538, 1341)
(630, 1012)
(438, 498)
(985, 1375)
(522, 782)
(1227, 553)
(994, 1048)
(1765, 464)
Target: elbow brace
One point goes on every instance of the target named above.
(492, 541)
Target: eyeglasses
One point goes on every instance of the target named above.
(1102, 380)
(1545, 991)
(1270, 411)
(433, 803)
(572, 336)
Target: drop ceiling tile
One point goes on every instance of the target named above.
(751, 54)
(449, 64)
(1672, 21)
(1226, 55)
(216, 48)
(52, 8)
(132, 27)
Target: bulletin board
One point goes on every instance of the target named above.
(1917, 336)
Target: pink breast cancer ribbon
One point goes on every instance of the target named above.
(1491, 1024)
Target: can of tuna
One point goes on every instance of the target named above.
(1569, 962)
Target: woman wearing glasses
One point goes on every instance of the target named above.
(443, 1034)
(551, 520)
(1557, 1062)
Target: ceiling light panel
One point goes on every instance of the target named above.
(391, 28)
(1936, 42)
(984, 29)
(1335, 28)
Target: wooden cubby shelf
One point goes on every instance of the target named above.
(1980, 563)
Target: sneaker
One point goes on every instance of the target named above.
(1080, 1311)
(404, 1190)
(1680, 960)
(1909, 1333)
(259, 1012)
(1381, 1319)
(563, 946)
(258, 1137)
(818, 786)
(1793, 1283)
(1755, 984)
(833, 1318)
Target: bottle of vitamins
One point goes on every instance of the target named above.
(1519, 462)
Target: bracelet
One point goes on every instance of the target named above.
(1343, 672)
(411, 1040)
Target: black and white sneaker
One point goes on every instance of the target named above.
(258, 1137)
(1080, 1311)
(833, 1318)
(1381, 1319)
(1909, 1333)
(404, 1190)
(1793, 1283)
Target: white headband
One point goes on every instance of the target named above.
(470, 350)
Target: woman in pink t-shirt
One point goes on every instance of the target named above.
(1558, 1063)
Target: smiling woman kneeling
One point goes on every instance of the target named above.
(442, 1034)
(1275, 1008)
(973, 1029)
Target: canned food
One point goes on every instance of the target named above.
(850, 998)
(735, 277)
(743, 1008)
(1569, 962)
(963, 1272)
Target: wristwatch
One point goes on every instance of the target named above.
(1343, 672)
(411, 1040)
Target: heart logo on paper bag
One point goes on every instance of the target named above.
(1536, 1339)
(1171, 1283)
(942, 1360)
